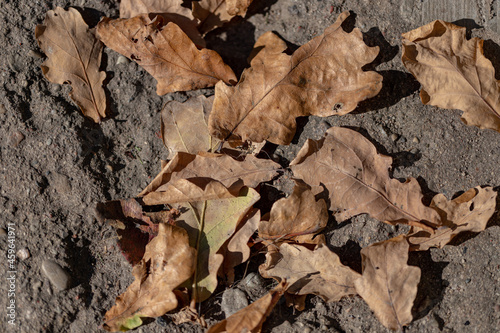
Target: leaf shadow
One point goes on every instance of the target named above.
(431, 286)
(468, 24)
(233, 42)
(495, 219)
(259, 7)
(81, 262)
(93, 142)
(91, 16)
(396, 84)
(426, 191)
(492, 52)
(349, 253)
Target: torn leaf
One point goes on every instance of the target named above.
(167, 263)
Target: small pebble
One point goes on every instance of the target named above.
(415, 139)
(394, 137)
(60, 183)
(48, 142)
(35, 54)
(16, 138)
(23, 254)
(57, 275)
(122, 60)
(253, 282)
(3, 232)
(109, 168)
(233, 300)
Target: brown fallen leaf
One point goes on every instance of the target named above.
(298, 215)
(251, 318)
(238, 7)
(357, 180)
(178, 66)
(193, 189)
(184, 126)
(167, 263)
(317, 272)
(131, 8)
(467, 212)
(251, 171)
(388, 284)
(454, 72)
(74, 57)
(323, 77)
(236, 250)
(214, 13)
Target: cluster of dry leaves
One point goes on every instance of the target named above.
(196, 220)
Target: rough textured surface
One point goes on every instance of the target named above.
(54, 214)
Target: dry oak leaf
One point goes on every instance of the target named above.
(317, 272)
(214, 13)
(131, 8)
(73, 56)
(251, 318)
(193, 189)
(467, 212)
(210, 223)
(184, 126)
(454, 72)
(177, 66)
(388, 285)
(323, 77)
(298, 215)
(167, 263)
(357, 180)
(251, 171)
(169, 10)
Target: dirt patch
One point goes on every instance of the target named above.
(55, 165)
